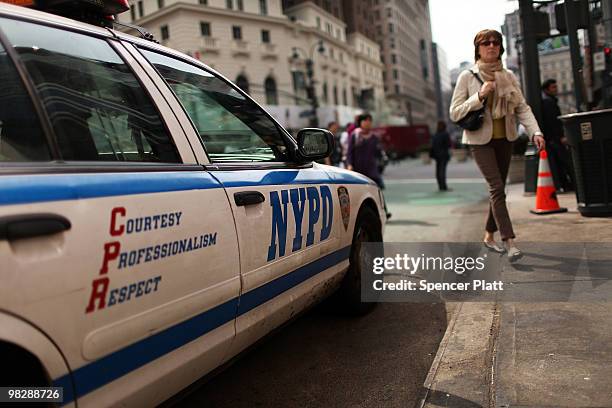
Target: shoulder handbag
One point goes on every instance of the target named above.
(473, 120)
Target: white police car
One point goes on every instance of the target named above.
(154, 220)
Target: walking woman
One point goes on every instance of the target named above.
(440, 145)
(491, 145)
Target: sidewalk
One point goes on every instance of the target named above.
(529, 354)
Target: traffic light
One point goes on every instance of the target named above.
(607, 79)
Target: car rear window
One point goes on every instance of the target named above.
(97, 107)
(21, 136)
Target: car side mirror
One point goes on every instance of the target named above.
(314, 144)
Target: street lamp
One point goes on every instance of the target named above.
(310, 86)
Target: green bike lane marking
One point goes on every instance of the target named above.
(427, 194)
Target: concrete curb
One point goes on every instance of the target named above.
(461, 374)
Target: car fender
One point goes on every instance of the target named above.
(23, 334)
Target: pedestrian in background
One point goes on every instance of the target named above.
(344, 140)
(491, 144)
(365, 152)
(335, 157)
(440, 145)
(556, 143)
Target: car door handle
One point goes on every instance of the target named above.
(31, 225)
(248, 198)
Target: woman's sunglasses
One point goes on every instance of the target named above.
(489, 42)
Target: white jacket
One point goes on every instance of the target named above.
(465, 99)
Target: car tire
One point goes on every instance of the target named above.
(367, 229)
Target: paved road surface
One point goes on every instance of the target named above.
(324, 359)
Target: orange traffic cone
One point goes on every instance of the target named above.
(546, 196)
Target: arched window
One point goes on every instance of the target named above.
(325, 94)
(243, 83)
(271, 92)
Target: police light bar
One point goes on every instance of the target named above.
(24, 3)
(97, 12)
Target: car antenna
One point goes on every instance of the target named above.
(143, 33)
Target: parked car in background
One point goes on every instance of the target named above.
(403, 141)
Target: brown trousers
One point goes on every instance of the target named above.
(493, 159)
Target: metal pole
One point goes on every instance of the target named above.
(592, 49)
(531, 61)
(570, 23)
(606, 6)
(312, 93)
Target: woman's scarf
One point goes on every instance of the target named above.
(506, 96)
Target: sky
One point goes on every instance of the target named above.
(454, 23)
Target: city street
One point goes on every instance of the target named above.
(404, 355)
(170, 237)
(324, 359)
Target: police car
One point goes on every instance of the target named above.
(154, 220)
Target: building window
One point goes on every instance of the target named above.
(165, 32)
(341, 56)
(325, 93)
(160, 3)
(329, 28)
(133, 13)
(390, 27)
(338, 34)
(389, 13)
(344, 99)
(397, 89)
(271, 92)
(331, 53)
(395, 74)
(204, 2)
(335, 93)
(393, 59)
(229, 4)
(319, 22)
(140, 9)
(240, 5)
(243, 83)
(263, 7)
(205, 29)
(237, 32)
(265, 36)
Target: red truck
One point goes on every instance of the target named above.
(402, 141)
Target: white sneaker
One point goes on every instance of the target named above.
(514, 254)
(493, 246)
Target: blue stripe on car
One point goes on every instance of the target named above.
(61, 187)
(58, 187)
(283, 177)
(113, 366)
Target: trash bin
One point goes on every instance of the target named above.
(532, 161)
(589, 136)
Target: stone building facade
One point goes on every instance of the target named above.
(263, 49)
